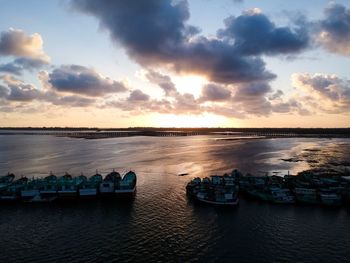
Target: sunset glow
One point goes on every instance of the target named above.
(283, 63)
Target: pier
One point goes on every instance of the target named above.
(89, 133)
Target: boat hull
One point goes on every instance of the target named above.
(211, 202)
(27, 195)
(48, 193)
(67, 195)
(87, 193)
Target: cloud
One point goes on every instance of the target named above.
(4, 92)
(17, 93)
(160, 36)
(84, 81)
(253, 34)
(334, 29)
(163, 81)
(252, 98)
(325, 92)
(15, 42)
(138, 95)
(11, 68)
(20, 64)
(277, 95)
(18, 90)
(214, 92)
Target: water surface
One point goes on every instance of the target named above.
(161, 224)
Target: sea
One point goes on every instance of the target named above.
(161, 224)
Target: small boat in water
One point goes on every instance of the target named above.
(217, 190)
(13, 191)
(306, 195)
(330, 198)
(127, 186)
(281, 195)
(6, 180)
(109, 184)
(89, 187)
(49, 188)
(30, 190)
(67, 188)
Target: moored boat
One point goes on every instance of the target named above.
(31, 189)
(306, 195)
(127, 185)
(89, 187)
(49, 188)
(109, 184)
(6, 180)
(67, 189)
(13, 191)
(330, 198)
(281, 195)
(217, 190)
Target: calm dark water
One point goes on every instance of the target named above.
(161, 225)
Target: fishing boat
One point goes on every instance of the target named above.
(30, 190)
(109, 184)
(6, 180)
(67, 189)
(127, 186)
(49, 188)
(281, 195)
(217, 190)
(13, 191)
(306, 195)
(330, 198)
(89, 187)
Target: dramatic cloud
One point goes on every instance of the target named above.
(253, 33)
(326, 92)
(84, 81)
(160, 37)
(163, 81)
(214, 92)
(335, 29)
(15, 42)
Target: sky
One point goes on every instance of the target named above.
(174, 63)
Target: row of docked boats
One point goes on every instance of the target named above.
(66, 187)
(307, 187)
